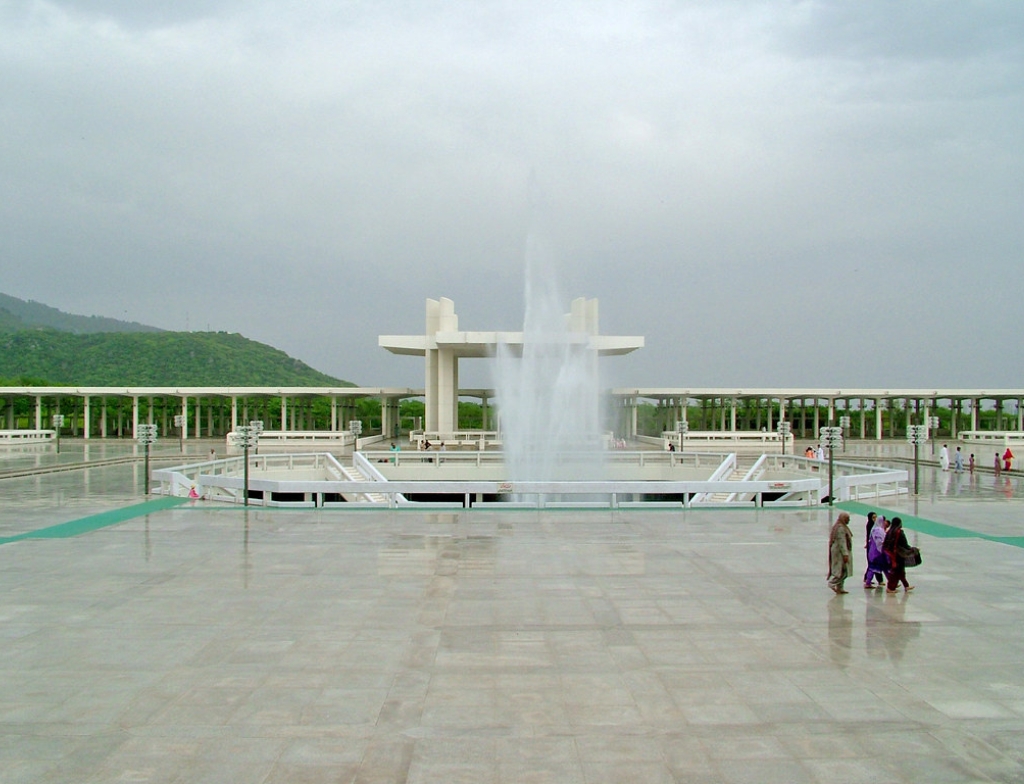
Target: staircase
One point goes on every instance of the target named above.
(355, 475)
(724, 498)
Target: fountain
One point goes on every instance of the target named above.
(548, 390)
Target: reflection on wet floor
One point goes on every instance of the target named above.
(201, 642)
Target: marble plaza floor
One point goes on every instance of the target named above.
(196, 643)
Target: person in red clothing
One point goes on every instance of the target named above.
(896, 546)
(1007, 459)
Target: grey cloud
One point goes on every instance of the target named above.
(907, 31)
(739, 182)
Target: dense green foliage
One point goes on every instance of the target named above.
(151, 359)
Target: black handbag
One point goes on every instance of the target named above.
(912, 557)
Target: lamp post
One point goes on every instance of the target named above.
(683, 427)
(179, 422)
(257, 428)
(58, 423)
(146, 435)
(245, 437)
(844, 423)
(917, 435)
(831, 437)
(784, 429)
(355, 427)
(933, 424)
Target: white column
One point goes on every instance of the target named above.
(816, 418)
(446, 399)
(878, 419)
(284, 413)
(431, 362)
(103, 417)
(86, 416)
(234, 413)
(455, 394)
(135, 416)
(863, 419)
(184, 418)
(732, 417)
(39, 412)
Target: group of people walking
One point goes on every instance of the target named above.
(1004, 463)
(887, 552)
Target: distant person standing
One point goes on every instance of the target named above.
(970, 463)
(998, 465)
(1007, 459)
(840, 547)
(944, 458)
(820, 454)
(958, 461)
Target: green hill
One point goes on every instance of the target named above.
(151, 359)
(41, 346)
(18, 314)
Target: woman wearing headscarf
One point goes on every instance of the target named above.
(896, 546)
(840, 546)
(878, 562)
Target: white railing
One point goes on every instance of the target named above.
(1003, 438)
(727, 439)
(223, 480)
(13, 437)
(455, 439)
(640, 458)
(300, 438)
(481, 439)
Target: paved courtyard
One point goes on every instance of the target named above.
(196, 643)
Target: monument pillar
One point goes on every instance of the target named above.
(443, 345)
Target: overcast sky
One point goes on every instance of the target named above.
(772, 193)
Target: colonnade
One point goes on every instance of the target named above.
(104, 413)
(807, 413)
(212, 412)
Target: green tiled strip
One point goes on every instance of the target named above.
(930, 527)
(86, 524)
(104, 519)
